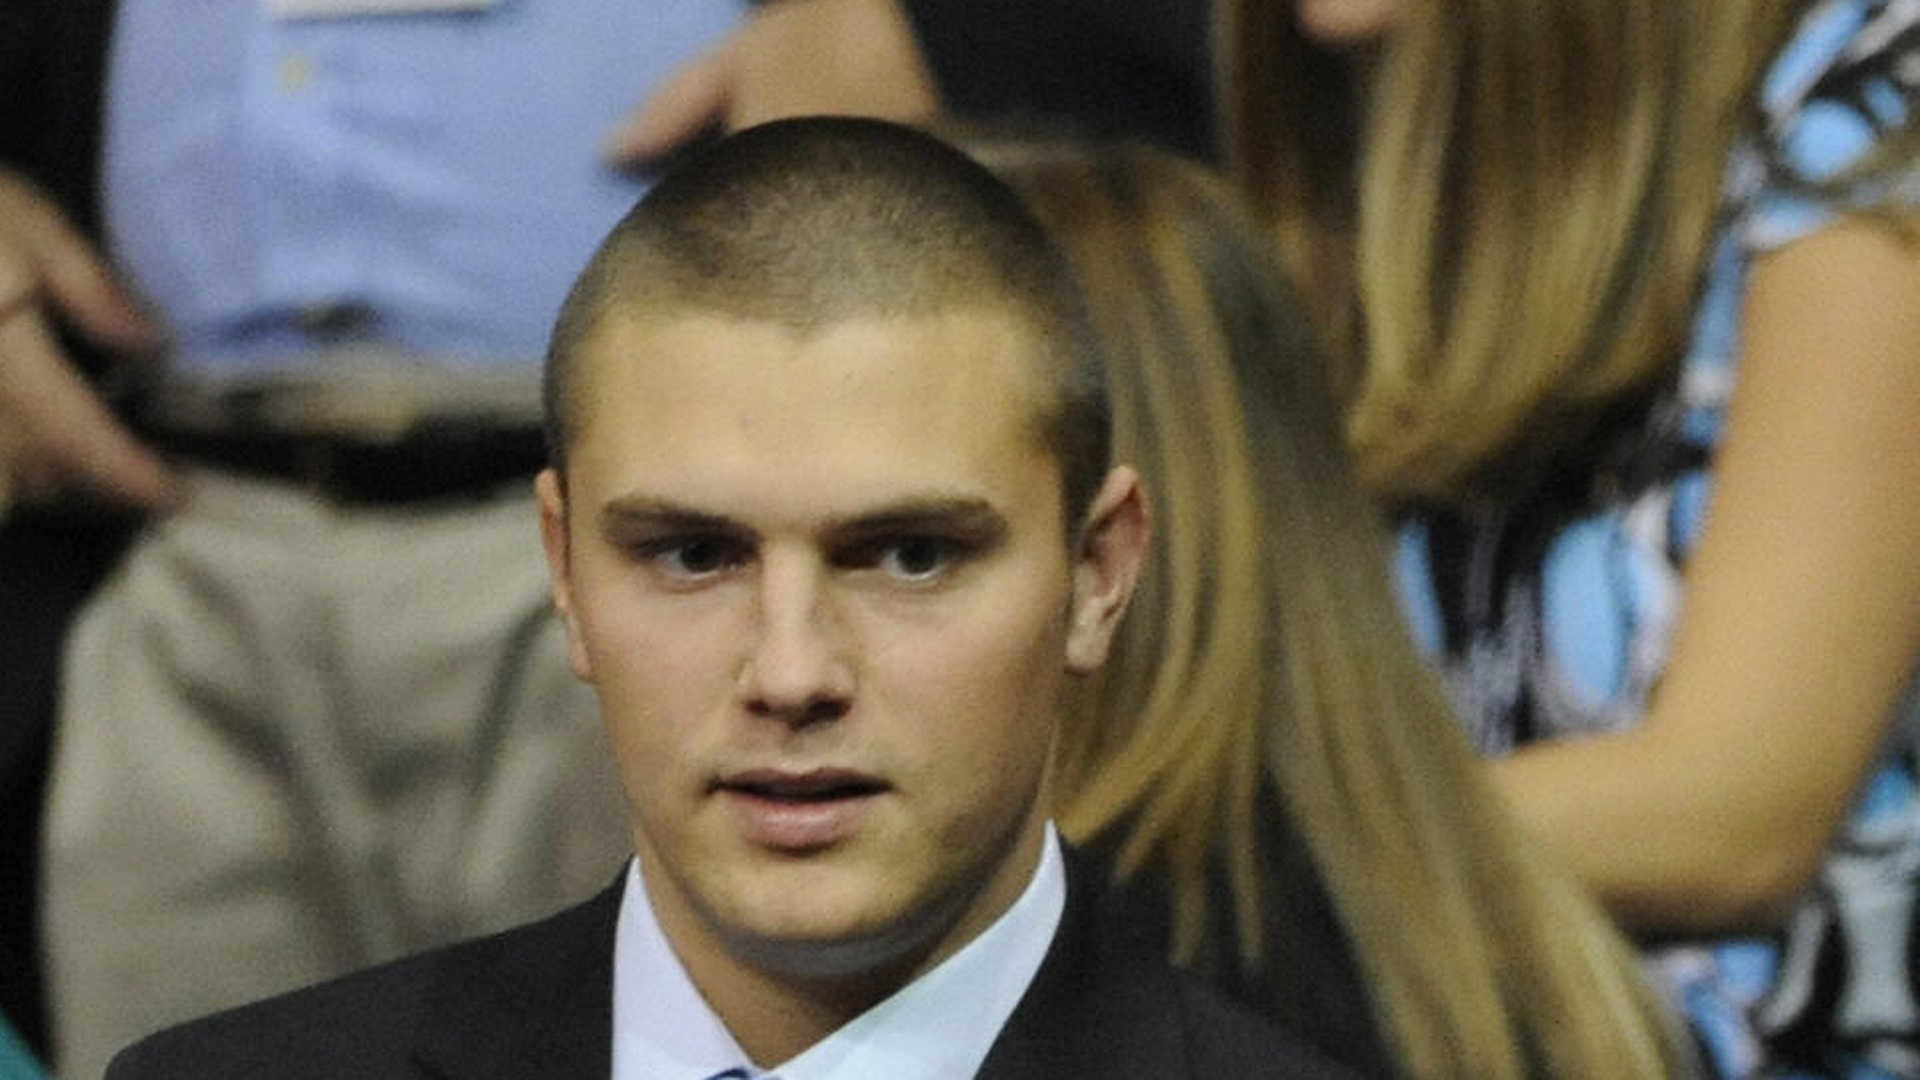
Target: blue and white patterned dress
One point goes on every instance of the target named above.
(1554, 618)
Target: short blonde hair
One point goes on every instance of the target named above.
(808, 221)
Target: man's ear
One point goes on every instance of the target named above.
(556, 538)
(1113, 546)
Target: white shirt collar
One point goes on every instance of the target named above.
(937, 1027)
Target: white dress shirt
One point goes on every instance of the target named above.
(938, 1027)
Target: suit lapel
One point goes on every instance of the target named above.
(534, 1001)
(1095, 1008)
(538, 1001)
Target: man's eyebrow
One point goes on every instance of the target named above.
(966, 517)
(629, 511)
(970, 518)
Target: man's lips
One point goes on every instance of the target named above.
(798, 811)
(809, 786)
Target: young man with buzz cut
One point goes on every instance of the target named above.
(831, 525)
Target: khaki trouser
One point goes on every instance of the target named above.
(298, 739)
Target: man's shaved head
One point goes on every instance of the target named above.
(806, 223)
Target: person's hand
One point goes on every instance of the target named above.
(55, 432)
(790, 58)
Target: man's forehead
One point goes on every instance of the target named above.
(956, 342)
(769, 423)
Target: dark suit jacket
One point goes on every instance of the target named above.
(537, 1002)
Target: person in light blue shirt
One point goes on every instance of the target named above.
(306, 724)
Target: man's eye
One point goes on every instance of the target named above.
(693, 557)
(915, 558)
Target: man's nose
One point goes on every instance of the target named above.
(799, 670)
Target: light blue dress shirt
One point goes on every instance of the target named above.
(938, 1027)
(428, 182)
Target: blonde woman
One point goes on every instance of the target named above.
(1268, 754)
(1587, 263)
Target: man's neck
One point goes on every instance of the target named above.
(774, 1012)
(774, 1018)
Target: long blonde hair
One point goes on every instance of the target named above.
(1265, 683)
(1509, 230)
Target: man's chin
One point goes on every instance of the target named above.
(825, 943)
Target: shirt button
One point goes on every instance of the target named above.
(293, 73)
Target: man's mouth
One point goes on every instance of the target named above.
(811, 786)
(799, 812)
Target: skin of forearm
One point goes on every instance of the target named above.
(1801, 621)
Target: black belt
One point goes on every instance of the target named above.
(436, 461)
